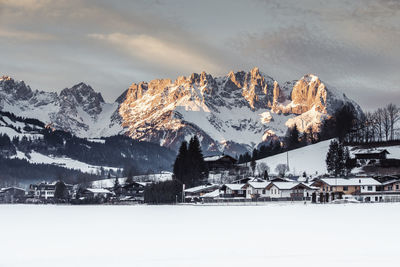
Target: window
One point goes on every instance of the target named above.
(397, 187)
(345, 188)
(369, 188)
(263, 191)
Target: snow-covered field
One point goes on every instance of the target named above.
(279, 234)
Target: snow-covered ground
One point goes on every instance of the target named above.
(311, 159)
(158, 177)
(271, 235)
(35, 157)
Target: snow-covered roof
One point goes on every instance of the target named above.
(212, 194)
(391, 182)
(98, 190)
(258, 185)
(288, 185)
(214, 158)
(369, 151)
(285, 185)
(200, 188)
(12, 187)
(350, 181)
(235, 186)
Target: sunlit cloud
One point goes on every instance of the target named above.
(158, 51)
(25, 35)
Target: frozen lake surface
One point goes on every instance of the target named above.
(270, 235)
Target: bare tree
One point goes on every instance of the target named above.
(393, 112)
(386, 123)
(281, 169)
(261, 168)
(379, 114)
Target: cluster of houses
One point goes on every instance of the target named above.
(240, 186)
(362, 189)
(318, 189)
(44, 192)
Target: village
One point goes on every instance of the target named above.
(228, 183)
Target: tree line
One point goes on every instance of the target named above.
(376, 126)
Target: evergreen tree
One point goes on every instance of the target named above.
(292, 137)
(117, 186)
(197, 169)
(180, 162)
(336, 159)
(61, 191)
(331, 156)
(266, 176)
(253, 165)
(189, 167)
(129, 174)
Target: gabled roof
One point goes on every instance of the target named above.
(235, 186)
(142, 184)
(98, 190)
(212, 194)
(349, 181)
(11, 187)
(218, 157)
(200, 188)
(258, 185)
(361, 151)
(287, 185)
(391, 182)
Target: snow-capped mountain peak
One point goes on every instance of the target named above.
(231, 113)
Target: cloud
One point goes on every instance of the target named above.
(25, 35)
(352, 45)
(25, 4)
(158, 51)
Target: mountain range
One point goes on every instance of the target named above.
(232, 113)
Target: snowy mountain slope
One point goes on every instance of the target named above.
(79, 109)
(232, 113)
(241, 109)
(19, 129)
(311, 159)
(65, 162)
(32, 140)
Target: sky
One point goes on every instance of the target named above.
(352, 45)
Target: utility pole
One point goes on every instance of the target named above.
(287, 159)
(183, 193)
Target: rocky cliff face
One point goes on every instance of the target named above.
(232, 113)
(78, 109)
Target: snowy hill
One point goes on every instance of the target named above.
(311, 159)
(65, 162)
(232, 113)
(32, 142)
